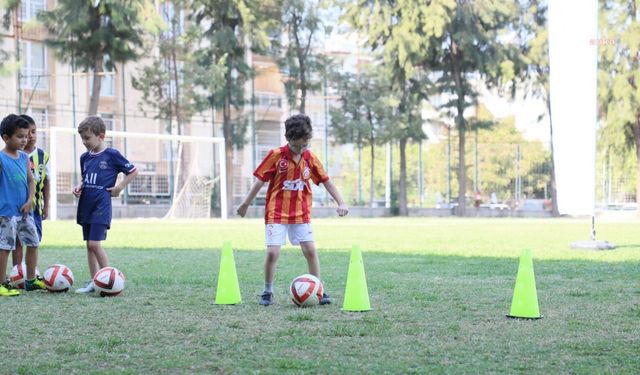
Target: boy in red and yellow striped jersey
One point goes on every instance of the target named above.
(290, 169)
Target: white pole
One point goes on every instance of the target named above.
(387, 191)
(53, 176)
(223, 181)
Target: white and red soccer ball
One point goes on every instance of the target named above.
(58, 278)
(109, 282)
(18, 275)
(306, 290)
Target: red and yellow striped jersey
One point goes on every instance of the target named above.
(289, 194)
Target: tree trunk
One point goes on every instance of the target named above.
(185, 149)
(360, 200)
(97, 84)
(303, 86)
(462, 168)
(554, 191)
(228, 139)
(636, 136)
(372, 184)
(402, 184)
(297, 21)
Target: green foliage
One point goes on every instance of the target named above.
(455, 43)
(302, 25)
(96, 35)
(230, 27)
(178, 81)
(618, 88)
(7, 9)
(112, 29)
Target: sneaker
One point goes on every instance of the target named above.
(326, 299)
(265, 299)
(35, 284)
(89, 287)
(7, 290)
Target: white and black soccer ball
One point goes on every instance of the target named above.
(109, 282)
(58, 278)
(306, 290)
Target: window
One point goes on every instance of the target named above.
(41, 118)
(33, 70)
(108, 85)
(30, 9)
(108, 82)
(268, 100)
(167, 10)
(109, 123)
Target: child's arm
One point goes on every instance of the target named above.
(28, 206)
(242, 209)
(342, 209)
(115, 191)
(45, 197)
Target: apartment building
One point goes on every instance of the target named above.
(57, 96)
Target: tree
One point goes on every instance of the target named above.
(302, 24)
(534, 43)
(177, 82)
(231, 27)
(460, 42)
(619, 79)
(360, 117)
(8, 9)
(96, 34)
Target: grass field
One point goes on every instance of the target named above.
(439, 291)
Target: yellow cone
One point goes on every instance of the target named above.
(228, 289)
(525, 298)
(356, 294)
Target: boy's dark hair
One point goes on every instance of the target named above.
(29, 119)
(297, 127)
(12, 123)
(93, 124)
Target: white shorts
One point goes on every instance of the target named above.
(275, 234)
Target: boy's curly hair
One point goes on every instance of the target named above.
(297, 127)
(93, 124)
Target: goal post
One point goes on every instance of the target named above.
(187, 161)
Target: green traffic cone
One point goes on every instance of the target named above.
(524, 304)
(228, 289)
(356, 294)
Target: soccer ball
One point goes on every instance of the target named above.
(18, 274)
(306, 290)
(58, 278)
(109, 282)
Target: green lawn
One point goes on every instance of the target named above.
(439, 291)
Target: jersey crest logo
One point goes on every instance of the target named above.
(282, 165)
(103, 165)
(306, 173)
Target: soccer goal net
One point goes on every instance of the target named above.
(179, 177)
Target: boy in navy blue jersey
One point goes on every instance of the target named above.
(100, 167)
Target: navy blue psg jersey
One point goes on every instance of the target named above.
(99, 172)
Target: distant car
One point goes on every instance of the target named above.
(496, 206)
